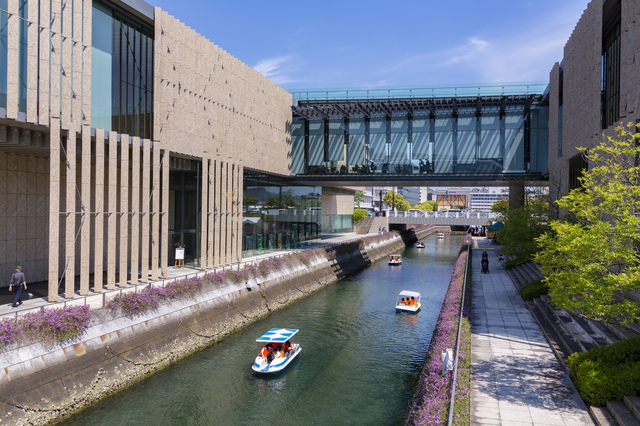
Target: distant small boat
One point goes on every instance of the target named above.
(440, 234)
(408, 301)
(420, 244)
(278, 352)
(395, 259)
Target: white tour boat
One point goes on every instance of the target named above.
(395, 259)
(408, 301)
(419, 244)
(440, 234)
(278, 351)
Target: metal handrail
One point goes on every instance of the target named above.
(455, 369)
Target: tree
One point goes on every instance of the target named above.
(501, 206)
(522, 227)
(427, 206)
(358, 199)
(273, 203)
(591, 258)
(400, 202)
(358, 215)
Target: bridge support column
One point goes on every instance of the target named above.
(516, 195)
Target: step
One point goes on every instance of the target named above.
(533, 270)
(622, 414)
(524, 274)
(633, 404)
(602, 416)
(594, 333)
(634, 328)
(619, 331)
(601, 329)
(576, 332)
(515, 279)
(569, 345)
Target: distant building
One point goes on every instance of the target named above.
(411, 194)
(481, 199)
(453, 198)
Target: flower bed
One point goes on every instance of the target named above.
(431, 403)
(49, 325)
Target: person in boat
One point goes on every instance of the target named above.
(402, 302)
(264, 351)
(412, 301)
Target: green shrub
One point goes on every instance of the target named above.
(607, 373)
(510, 264)
(359, 214)
(534, 289)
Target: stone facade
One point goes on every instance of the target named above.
(96, 201)
(581, 71)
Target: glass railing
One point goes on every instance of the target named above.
(437, 91)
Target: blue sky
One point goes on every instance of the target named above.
(353, 43)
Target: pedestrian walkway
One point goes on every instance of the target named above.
(516, 379)
(35, 297)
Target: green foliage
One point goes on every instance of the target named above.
(591, 260)
(359, 214)
(501, 206)
(510, 264)
(533, 289)
(607, 373)
(522, 227)
(249, 200)
(427, 206)
(273, 203)
(358, 199)
(401, 204)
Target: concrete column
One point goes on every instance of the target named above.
(99, 209)
(224, 213)
(56, 58)
(76, 42)
(86, 59)
(66, 71)
(144, 212)
(70, 228)
(155, 217)
(85, 219)
(112, 210)
(32, 62)
(239, 210)
(217, 221)
(516, 195)
(211, 215)
(44, 38)
(231, 222)
(203, 215)
(13, 58)
(54, 208)
(123, 210)
(164, 247)
(135, 209)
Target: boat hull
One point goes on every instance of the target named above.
(276, 366)
(409, 309)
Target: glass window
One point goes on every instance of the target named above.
(3, 53)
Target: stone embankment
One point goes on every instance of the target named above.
(43, 383)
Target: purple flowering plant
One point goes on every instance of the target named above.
(9, 330)
(55, 325)
(432, 403)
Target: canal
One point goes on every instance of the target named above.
(359, 363)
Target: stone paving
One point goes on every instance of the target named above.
(516, 378)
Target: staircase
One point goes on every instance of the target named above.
(568, 333)
(365, 225)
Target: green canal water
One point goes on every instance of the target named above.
(359, 362)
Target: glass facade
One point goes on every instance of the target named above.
(122, 54)
(277, 215)
(185, 212)
(486, 143)
(22, 55)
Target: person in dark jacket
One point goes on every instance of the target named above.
(18, 281)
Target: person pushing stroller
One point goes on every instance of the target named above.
(485, 262)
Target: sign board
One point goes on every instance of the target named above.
(179, 254)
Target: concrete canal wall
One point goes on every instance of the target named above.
(40, 383)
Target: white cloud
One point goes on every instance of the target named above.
(278, 69)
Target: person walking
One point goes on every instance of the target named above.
(17, 280)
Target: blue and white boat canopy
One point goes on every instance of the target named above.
(277, 335)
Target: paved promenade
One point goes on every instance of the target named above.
(516, 378)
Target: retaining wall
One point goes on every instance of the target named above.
(44, 383)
